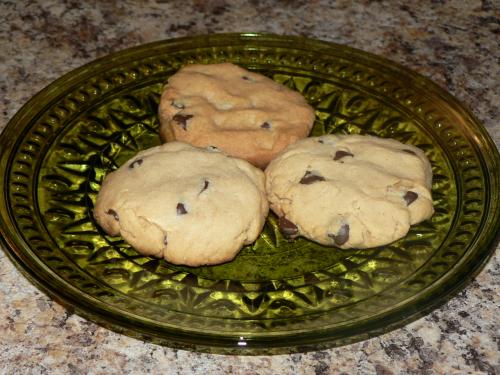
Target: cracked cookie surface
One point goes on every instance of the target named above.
(350, 191)
(187, 205)
(245, 114)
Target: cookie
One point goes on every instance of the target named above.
(187, 205)
(350, 191)
(245, 114)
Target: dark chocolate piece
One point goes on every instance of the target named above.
(410, 197)
(409, 152)
(181, 210)
(342, 236)
(205, 186)
(266, 125)
(135, 163)
(288, 228)
(310, 178)
(182, 120)
(114, 214)
(342, 154)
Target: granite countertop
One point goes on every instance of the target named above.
(455, 43)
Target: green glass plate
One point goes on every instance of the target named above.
(276, 296)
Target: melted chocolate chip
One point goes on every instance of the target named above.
(177, 105)
(113, 213)
(266, 125)
(135, 163)
(410, 197)
(205, 186)
(310, 178)
(182, 120)
(288, 228)
(342, 154)
(342, 235)
(409, 152)
(181, 210)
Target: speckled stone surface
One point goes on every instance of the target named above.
(455, 43)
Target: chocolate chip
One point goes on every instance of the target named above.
(246, 78)
(266, 125)
(409, 152)
(135, 163)
(342, 235)
(410, 197)
(182, 120)
(310, 178)
(165, 241)
(288, 228)
(181, 210)
(342, 154)
(114, 214)
(177, 105)
(205, 186)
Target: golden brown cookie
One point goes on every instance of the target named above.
(245, 114)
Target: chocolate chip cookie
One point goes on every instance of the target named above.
(349, 191)
(245, 114)
(189, 205)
